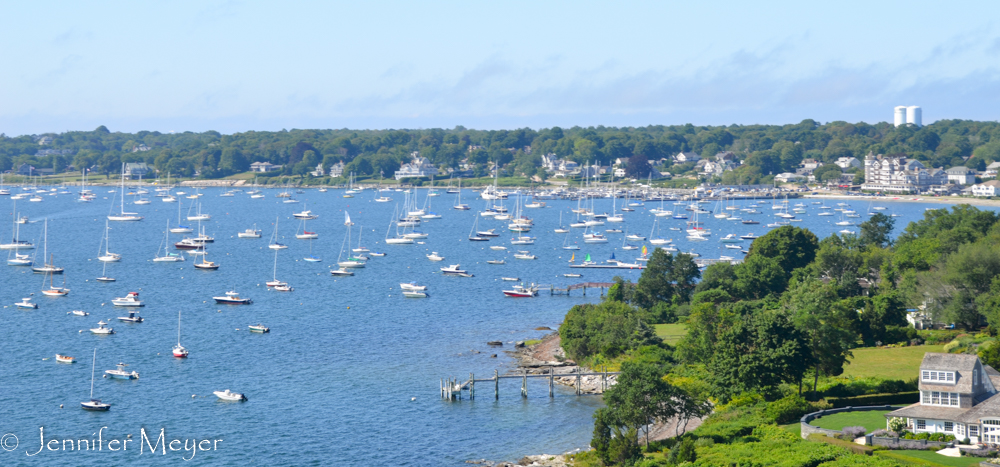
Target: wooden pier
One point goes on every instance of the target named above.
(452, 388)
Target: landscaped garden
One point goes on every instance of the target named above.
(870, 419)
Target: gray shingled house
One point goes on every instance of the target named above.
(958, 396)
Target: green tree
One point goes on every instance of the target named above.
(758, 353)
(825, 325)
(877, 230)
(792, 247)
(233, 161)
(989, 353)
(637, 167)
(759, 276)
(666, 277)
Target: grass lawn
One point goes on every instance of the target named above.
(671, 333)
(872, 420)
(932, 457)
(795, 428)
(896, 363)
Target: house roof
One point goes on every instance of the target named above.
(962, 364)
(959, 171)
(985, 409)
(995, 183)
(926, 411)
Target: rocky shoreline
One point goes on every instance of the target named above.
(541, 460)
(548, 355)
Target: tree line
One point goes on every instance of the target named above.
(765, 149)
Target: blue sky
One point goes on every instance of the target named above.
(235, 66)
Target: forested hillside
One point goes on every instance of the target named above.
(766, 149)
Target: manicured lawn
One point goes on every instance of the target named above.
(897, 363)
(931, 456)
(671, 333)
(795, 428)
(872, 420)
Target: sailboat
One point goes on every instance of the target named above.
(561, 229)
(199, 216)
(54, 291)
(179, 351)
(625, 244)
(398, 239)
(180, 228)
(124, 216)
(94, 404)
(274, 282)
(360, 249)
(476, 237)
(351, 262)
(274, 245)
(306, 235)
(15, 243)
(205, 264)
(167, 255)
(104, 274)
(108, 256)
(311, 258)
(47, 268)
(458, 202)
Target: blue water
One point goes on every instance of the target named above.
(332, 382)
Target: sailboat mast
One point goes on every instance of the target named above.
(93, 367)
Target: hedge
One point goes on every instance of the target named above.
(853, 447)
(855, 460)
(902, 398)
(907, 459)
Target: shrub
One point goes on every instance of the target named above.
(922, 436)
(883, 433)
(788, 409)
(772, 433)
(952, 346)
(855, 448)
(704, 442)
(897, 424)
(853, 432)
(909, 397)
(856, 460)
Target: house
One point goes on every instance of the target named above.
(919, 319)
(848, 162)
(683, 157)
(725, 156)
(961, 175)
(140, 148)
(789, 177)
(988, 188)
(44, 140)
(25, 169)
(811, 164)
(264, 167)
(135, 169)
(991, 170)
(419, 167)
(958, 396)
(337, 170)
(619, 172)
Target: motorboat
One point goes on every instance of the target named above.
(249, 233)
(414, 294)
(26, 303)
(102, 328)
(494, 261)
(375, 253)
(78, 313)
(132, 299)
(20, 260)
(341, 272)
(230, 396)
(233, 298)
(455, 270)
(498, 247)
(509, 279)
(189, 244)
(306, 214)
(434, 256)
(260, 328)
(283, 288)
(749, 236)
(524, 255)
(731, 238)
(121, 373)
(133, 317)
(572, 275)
(65, 359)
(521, 291)
(751, 222)
(635, 238)
(411, 286)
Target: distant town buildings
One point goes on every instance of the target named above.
(904, 115)
(986, 189)
(683, 157)
(898, 174)
(848, 162)
(136, 170)
(52, 152)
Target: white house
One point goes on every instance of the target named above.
(263, 167)
(419, 167)
(811, 165)
(683, 157)
(991, 170)
(961, 175)
(958, 396)
(789, 177)
(988, 188)
(899, 175)
(337, 169)
(848, 162)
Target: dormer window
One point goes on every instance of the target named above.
(928, 376)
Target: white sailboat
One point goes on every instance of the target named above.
(179, 351)
(47, 268)
(274, 244)
(94, 404)
(167, 256)
(122, 215)
(274, 282)
(180, 228)
(15, 242)
(398, 239)
(107, 256)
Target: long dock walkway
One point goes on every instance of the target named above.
(452, 388)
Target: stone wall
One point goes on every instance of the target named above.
(901, 443)
(808, 429)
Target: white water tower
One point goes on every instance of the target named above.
(913, 116)
(899, 116)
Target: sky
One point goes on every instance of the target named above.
(234, 66)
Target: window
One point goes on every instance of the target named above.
(921, 424)
(938, 376)
(949, 427)
(973, 430)
(944, 399)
